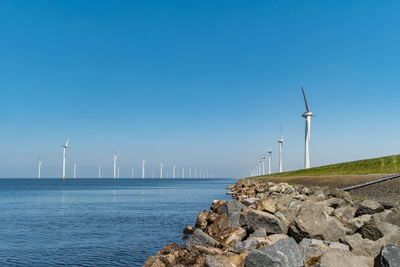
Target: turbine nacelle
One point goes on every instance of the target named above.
(281, 140)
(307, 114)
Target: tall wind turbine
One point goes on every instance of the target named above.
(269, 160)
(307, 115)
(161, 169)
(40, 167)
(99, 171)
(64, 157)
(143, 163)
(133, 173)
(263, 165)
(173, 171)
(115, 165)
(280, 141)
(74, 170)
(183, 172)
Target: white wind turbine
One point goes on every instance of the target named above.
(74, 170)
(269, 160)
(263, 165)
(133, 173)
(183, 172)
(64, 157)
(307, 115)
(280, 141)
(143, 163)
(99, 171)
(173, 171)
(115, 165)
(40, 167)
(161, 169)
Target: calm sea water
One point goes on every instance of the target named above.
(97, 222)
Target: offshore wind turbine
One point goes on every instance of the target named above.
(183, 172)
(100, 171)
(64, 157)
(173, 171)
(307, 115)
(40, 167)
(280, 141)
(74, 170)
(269, 160)
(143, 163)
(133, 173)
(161, 169)
(115, 165)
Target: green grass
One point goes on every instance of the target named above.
(383, 165)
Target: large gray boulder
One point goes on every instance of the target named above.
(339, 257)
(312, 221)
(199, 238)
(231, 206)
(369, 207)
(284, 253)
(389, 257)
(254, 219)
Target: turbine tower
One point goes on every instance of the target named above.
(64, 157)
(40, 167)
(269, 160)
(143, 163)
(280, 141)
(99, 171)
(161, 169)
(115, 165)
(133, 173)
(307, 115)
(183, 172)
(74, 170)
(263, 165)
(173, 171)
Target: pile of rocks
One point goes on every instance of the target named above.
(269, 224)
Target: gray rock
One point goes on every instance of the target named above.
(254, 219)
(260, 232)
(339, 257)
(199, 238)
(393, 216)
(247, 245)
(250, 201)
(389, 256)
(371, 230)
(312, 221)
(231, 206)
(369, 207)
(358, 222)
(284, 253)
(345, 212)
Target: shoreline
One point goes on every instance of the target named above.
(290, 225)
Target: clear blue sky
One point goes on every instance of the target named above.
(203, 84)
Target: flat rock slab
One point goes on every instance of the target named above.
(369, 207)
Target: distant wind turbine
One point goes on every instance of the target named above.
(269, 160)
(263, 165)
(40, 167)
(118, 172)
(100, 171)
(307, 115)
(74, 170)
(133, 173)
(280, 141)
(143, 163)
(115, 165)
(183, 172)
(161, 169)
(64, 157)
(173, 171)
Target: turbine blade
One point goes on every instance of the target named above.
(305, 100)
(66, 144)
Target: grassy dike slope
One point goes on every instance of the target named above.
(341, 174)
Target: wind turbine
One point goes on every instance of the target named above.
(99, 171)
(118, 172)
(263, 165)
(64, 157)
(74, 170)
(307, 115)
(280, 141)
(40, 167)
(161, 169)
(183, 172)
(115, 165)
(133, 173)
(269, 160)
(173, 171)
(143, 163)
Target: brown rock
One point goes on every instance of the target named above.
(267, 205)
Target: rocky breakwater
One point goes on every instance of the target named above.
(269, 224)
